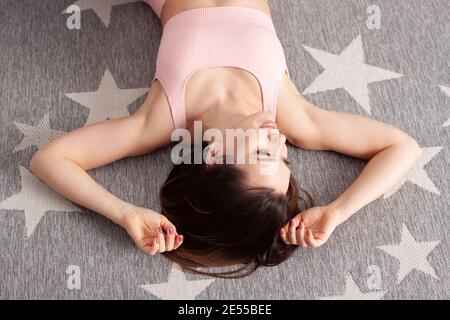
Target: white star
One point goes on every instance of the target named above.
(446, 90)
(417, 174)
(38, 135)
(102, 8)
(36, 198)
(177, 288)
(352, 292)
(412, 254)
(108, 101)
(348, 71)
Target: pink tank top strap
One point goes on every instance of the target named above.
(156, 5)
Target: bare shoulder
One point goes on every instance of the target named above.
(291, 108)
(156, 112)
(156, 109)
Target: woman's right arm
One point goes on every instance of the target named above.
(63, 163)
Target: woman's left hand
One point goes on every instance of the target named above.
(311, 228)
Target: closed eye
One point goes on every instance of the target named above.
(266, 154)
(263, 152)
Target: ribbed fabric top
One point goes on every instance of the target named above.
(200, 38)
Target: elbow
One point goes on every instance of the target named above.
(416, 149)
(413, 148)
(36, 161)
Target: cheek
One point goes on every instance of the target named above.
(241, 151)
(284, 151)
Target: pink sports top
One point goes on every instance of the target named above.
(230, 36)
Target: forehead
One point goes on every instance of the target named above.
(277, 180)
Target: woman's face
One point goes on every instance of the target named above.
(266, 155)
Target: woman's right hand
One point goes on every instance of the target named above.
(151, 231)
(312, 228)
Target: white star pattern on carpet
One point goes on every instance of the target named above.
(412, 254)
(446, 90)
(348, 71)
(36, 198)
(352, 292)
(108, 101)
(37, 136)
(418, 175)
(177, 287)
(102, 8)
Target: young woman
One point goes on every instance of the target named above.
(220, 62)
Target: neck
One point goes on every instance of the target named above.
(227, 113)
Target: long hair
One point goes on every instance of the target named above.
(225, 222)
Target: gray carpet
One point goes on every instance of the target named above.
(395, 248)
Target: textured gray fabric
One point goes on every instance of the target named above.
(42, 63)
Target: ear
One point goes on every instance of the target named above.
(212, 154)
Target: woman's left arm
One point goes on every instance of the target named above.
(390, 152)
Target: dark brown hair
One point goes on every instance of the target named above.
(224, 221)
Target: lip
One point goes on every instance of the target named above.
(269, 124)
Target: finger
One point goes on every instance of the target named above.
(296, 220)
(292, 236)
(321, 240)
(286, 230)
(178, 242)
(310, 241)
(301, 236)
(162, 240)
(166, 226)
(284, 236)
(170, 238)
(153, 248)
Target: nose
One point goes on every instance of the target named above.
(275, 135)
